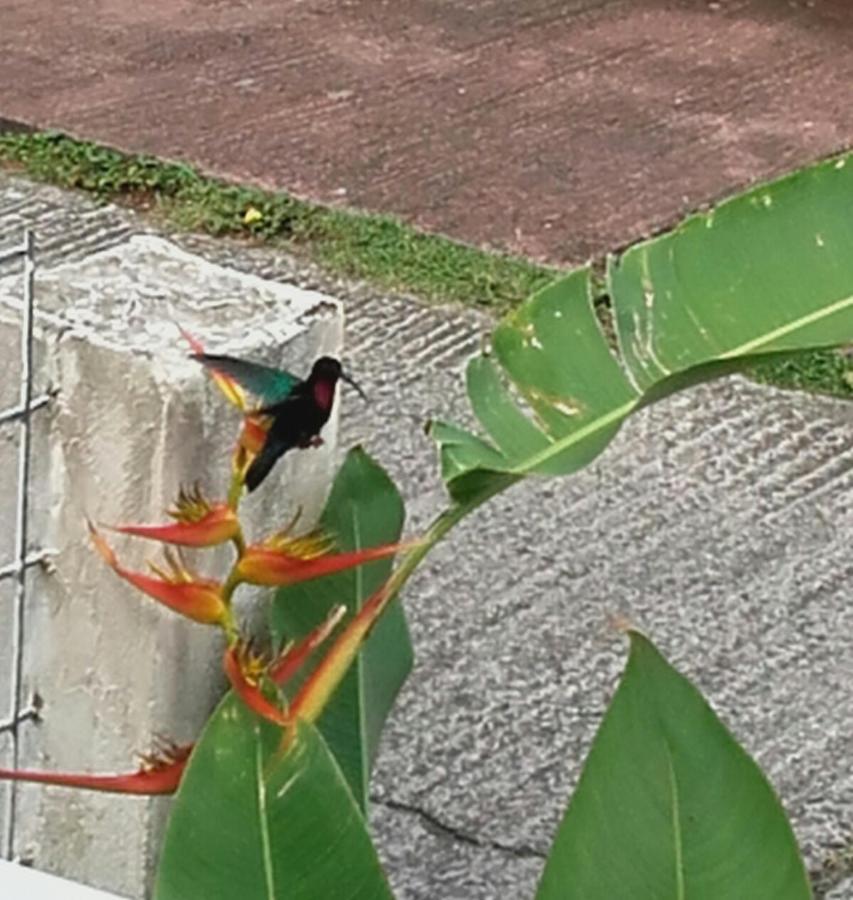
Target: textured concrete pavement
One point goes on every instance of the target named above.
(720, 521)
(557, 128)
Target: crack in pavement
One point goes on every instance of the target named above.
(435, 825)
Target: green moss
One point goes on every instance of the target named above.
(379, 249)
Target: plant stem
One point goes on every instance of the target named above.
(441, 525)
(239, 543)
(319, 687)
(230, 585)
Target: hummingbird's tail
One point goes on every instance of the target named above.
(261, 465)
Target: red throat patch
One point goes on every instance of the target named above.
(324, 394)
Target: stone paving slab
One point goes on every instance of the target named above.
(556, 129)
(720, 521)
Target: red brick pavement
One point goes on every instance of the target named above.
(556, 129)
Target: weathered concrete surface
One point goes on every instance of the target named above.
(133, 420)
(842, 891)
(719, 521)
(558, 129)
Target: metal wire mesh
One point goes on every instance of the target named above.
(22, 709)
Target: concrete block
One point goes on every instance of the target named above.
(133, 420)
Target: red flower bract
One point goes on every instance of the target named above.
(245, 673)
(198, 523)
(281, 562)
(180, 589)
(159, 774)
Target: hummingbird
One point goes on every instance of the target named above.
(298, 408)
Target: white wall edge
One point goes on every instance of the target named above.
(23, 883)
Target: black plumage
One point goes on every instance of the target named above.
(298, 408)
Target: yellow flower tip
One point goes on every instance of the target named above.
(165, 754)
(315, 544)
(191, 505)
(248, 688)
(198, 523)
(179, 571)
(252, 663)
(252, 215)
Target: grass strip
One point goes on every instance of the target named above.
(379, 249)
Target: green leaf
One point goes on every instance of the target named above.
(768, 272)
(364, 509)
(669, 806)
(252, 822)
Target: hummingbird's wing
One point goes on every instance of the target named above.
(269, 384)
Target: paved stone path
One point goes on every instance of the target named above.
(557, 129)
(720, 521)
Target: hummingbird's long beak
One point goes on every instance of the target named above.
(352, 381)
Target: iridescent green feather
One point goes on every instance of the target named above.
(268, 384)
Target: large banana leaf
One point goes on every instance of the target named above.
(255, 823)
(770, 271)
(364, 509)
(669, 806)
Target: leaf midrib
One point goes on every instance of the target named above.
(263, 823)
(677, 839)
(622, 411)
(815, 316)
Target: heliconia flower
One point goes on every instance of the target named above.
(254, 433)
(233, 392)
(245, 672)
(180, 589)
(284, 560)
(314, 693)
(294, 655)
(251, 439)
(198, 523)
(159, 773)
